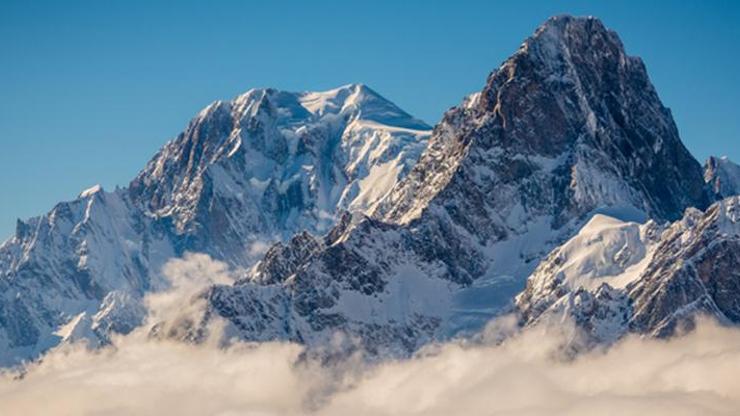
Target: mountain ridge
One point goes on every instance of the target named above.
(722, 175)
(505, 178)
(245, 172)
(648, 279)
(385, 232)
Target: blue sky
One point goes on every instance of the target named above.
(90, 90)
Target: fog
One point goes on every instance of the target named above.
(691, 375)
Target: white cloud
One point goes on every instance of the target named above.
(256, 249)
(180, 307)
(692, 375)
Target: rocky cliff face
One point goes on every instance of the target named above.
(568, 124)
(618, 277)
(245, 173)
(567, 127)
(723, 176)
(84, 256)
(695, 269)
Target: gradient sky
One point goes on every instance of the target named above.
(90, 90)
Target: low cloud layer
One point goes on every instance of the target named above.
(692, 375)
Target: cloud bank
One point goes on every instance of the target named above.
(692, 375)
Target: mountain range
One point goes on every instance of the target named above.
(561, 190)
(244, 174)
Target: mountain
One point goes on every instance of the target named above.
(351, 225)
(695, 268)
(723, 176)
(586, 278)
(618, 277)
(244, 174)
(284, 161)
(568, 127)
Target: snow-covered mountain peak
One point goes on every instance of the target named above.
(245, 173)
(348, 102)
(340, 99)
(276, 123)
(295, 157)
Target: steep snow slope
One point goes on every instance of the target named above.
(244, 173)
(585, 278)
(605, 250)
(569, 126)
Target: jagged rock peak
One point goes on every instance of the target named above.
(577, 62)
(570, 33)
(569, 108)
(722, 175)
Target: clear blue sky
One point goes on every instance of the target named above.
(90, 90)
